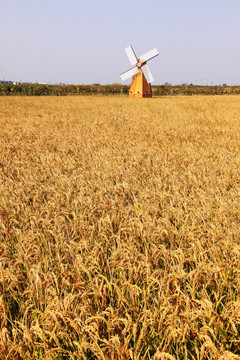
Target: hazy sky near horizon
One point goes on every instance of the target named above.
(82, 42)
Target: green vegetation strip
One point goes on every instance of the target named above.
(113, 89)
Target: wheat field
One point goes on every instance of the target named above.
(120, 228)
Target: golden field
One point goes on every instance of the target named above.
(120, 228)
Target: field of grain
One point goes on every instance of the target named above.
(120, 228)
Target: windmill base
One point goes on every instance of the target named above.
(139, 87)
(138, 95)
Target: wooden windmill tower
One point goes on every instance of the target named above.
(141, 76)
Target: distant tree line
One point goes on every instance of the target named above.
(161, 90)
(61, 90)
(26, 89)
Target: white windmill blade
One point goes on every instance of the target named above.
(147, 73)
(149, 55)
(131, 55)
(129, 73)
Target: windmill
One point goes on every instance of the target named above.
(141, 75)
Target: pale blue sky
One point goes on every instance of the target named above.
(76, 41)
